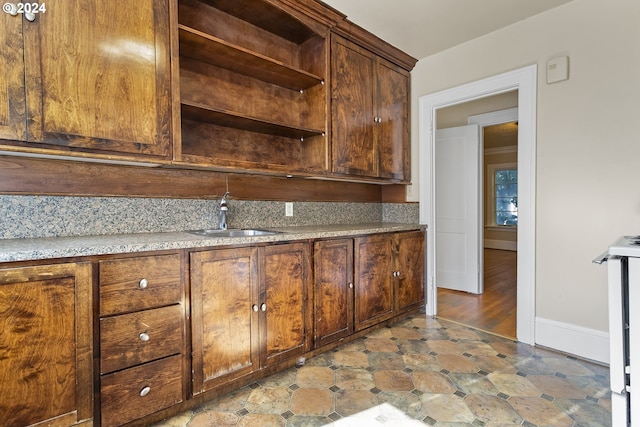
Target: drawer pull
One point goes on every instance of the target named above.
(143, 284)
(144, 337)
(145, 391)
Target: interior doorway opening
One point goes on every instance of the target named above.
(523, 80)
(487, 298)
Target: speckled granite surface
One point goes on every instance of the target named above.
(45, 227)
(63, 247)
(50, 216)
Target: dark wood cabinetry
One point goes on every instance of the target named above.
(373, 280)
(333, 290)
(88, 81)
(409, 270)
(250, 310)
(142, 331)
(370, 114)
(361, 282)
(252, 93)
(46, 345)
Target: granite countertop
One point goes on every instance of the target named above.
(64, 247)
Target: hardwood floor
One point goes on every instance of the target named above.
(495, 309)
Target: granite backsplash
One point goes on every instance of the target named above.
(56, 216)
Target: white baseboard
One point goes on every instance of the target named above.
(582, 342)
(505, 245)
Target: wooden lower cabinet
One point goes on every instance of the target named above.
(373, 284)
(409, 270)
(333, 290)
(249, 309)
(141, 335)
(361, 282)
(46, 346)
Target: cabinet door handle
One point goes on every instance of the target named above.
(145, 391)
(263, 307)
(144, 337)
(255, 307)
(30, 16)
(350, 285)
(143, 284)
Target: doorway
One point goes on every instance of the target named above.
(524, 81)
(488, 300)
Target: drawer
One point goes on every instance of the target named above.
(130, 339)
(140, 391)
(132, 284)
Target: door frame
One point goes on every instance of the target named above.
(524, 80)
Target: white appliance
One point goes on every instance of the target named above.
(623, 260)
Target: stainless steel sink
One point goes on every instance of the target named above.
(233, 232)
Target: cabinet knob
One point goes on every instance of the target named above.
(350, 285)
(263, 307)
(30, 16)
(144, 337)
(145, 391)
(143, 284)
(255, 307)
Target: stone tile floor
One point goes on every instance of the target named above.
(420, 371)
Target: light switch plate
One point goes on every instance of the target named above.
(558, 69)
(288, 208)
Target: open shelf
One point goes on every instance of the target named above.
(203, 47)
(206, 114)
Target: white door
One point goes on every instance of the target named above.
(458, 209)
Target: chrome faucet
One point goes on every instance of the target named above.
(222, 216)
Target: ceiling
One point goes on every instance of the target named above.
(424, 27)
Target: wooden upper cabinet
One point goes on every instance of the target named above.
(46, 345)
(252, 93)
(370, 114)
(96, 78)
(12, 100)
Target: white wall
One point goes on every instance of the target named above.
(588, 148)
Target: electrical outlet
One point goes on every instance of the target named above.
(288, 208)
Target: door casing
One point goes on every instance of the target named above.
(524, 80)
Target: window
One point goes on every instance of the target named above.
(506, 197)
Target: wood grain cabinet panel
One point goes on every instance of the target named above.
(141, 390)
(12, 85)
(409, 268)
(46, 345)
(284, 271)
(132, 284)
(373, 284)
(224, 321)
(250, 309)
(135, 338)
(142, 336)
(333, 290)
(369, 114)
(96, 78)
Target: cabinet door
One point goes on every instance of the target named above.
(373, 274)
(46, 345)
(409, 265)
(392, 131)
(97, 76)
(284, 271)
(352, 114)
(224, 323)
(333, 290)
(13, 123)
